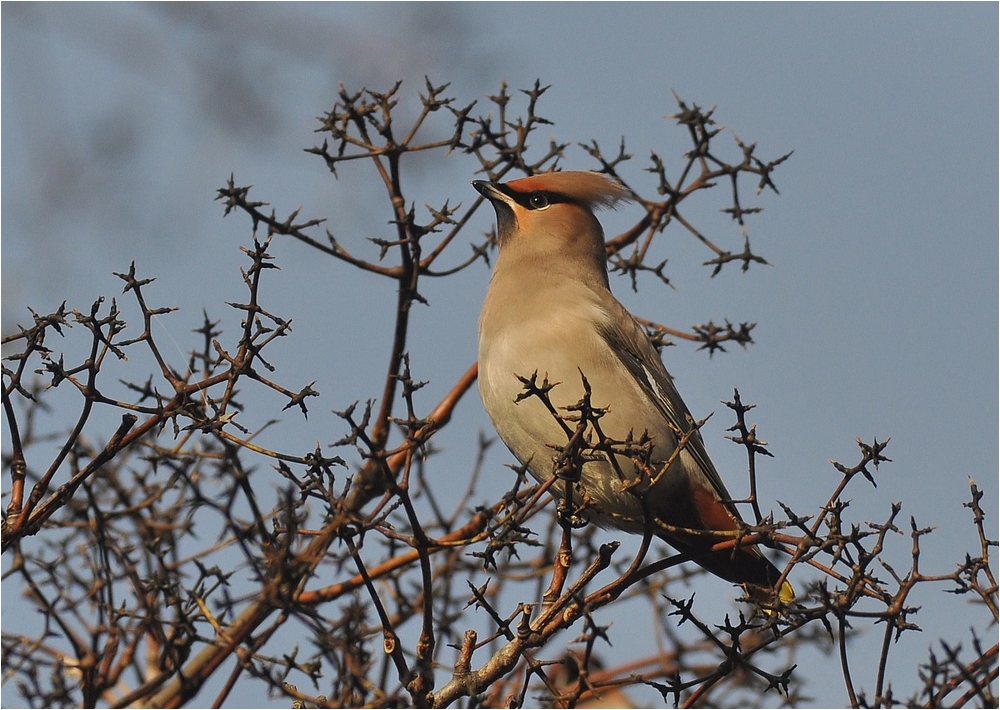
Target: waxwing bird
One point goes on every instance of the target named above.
(549, 312)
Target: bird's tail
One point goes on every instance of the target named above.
(745, 566)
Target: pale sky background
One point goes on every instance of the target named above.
(878, 318)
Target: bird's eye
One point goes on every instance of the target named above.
(538, 201)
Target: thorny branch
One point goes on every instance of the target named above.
(160, 530)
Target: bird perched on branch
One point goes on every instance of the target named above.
(568, 376)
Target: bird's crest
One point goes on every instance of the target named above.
(591, 189)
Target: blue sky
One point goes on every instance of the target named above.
(878, 317)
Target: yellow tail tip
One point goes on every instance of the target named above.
(767, 599)
(787, 593)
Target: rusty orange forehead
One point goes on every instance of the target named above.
(591, 189)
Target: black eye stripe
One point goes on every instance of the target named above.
(537, 199)
(524, 198)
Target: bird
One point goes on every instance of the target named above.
(551, 325)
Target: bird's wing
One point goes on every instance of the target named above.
(632, 346)
(629, 342)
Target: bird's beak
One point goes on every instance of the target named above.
(489, 191)
(503, 205)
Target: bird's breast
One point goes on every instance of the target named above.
(562, 345)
